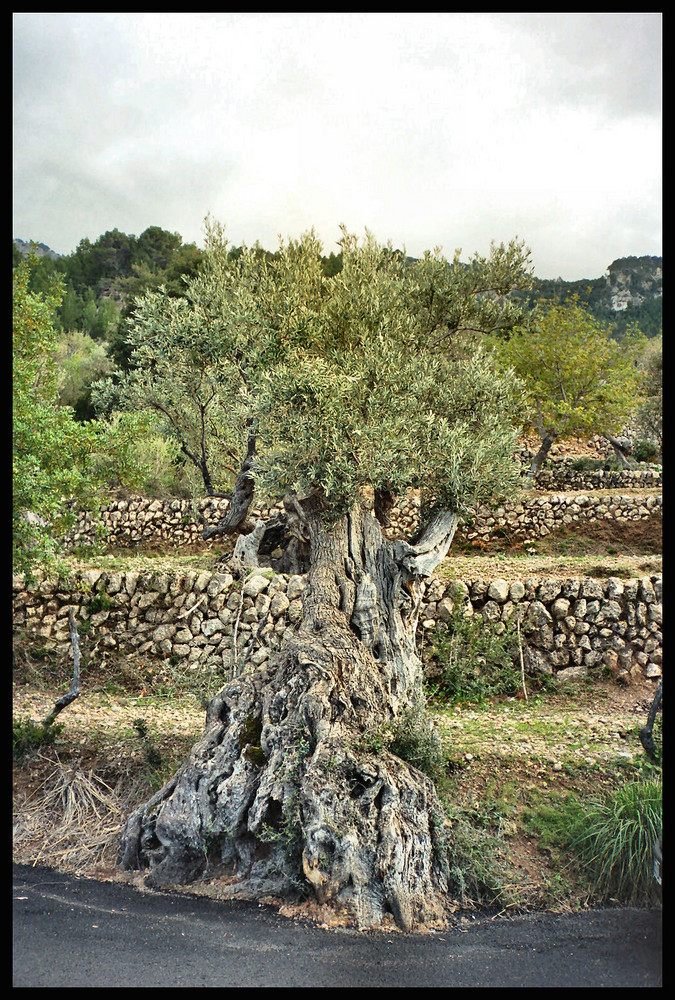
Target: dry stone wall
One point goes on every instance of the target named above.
(563, 476)
(139, 521)
(172, 523)
(537, 516)
(208, 621)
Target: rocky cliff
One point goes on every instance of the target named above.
(39, 249)
(632, 280)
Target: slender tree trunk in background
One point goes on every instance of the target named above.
(540, 457)
(281, 791)
(621, 453)
(646, 732)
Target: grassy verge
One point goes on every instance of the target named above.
(553, 800)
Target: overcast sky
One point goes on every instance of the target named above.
(430, 130)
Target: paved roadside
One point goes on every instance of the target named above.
(76, 932)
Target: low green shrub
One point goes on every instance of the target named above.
(411, 737)
(477, 864)
(645, 451)
(614, 839)
(473, 660)
(586, 464)
(414, 740)
(28, 735)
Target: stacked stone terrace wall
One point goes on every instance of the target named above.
(207, 621)
(172, 523)
(562, 476)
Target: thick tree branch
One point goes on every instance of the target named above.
(620, 452)
(421, 557)
(240, 500)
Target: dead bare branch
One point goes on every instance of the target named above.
(74, 691)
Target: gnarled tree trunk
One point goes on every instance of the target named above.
(622, 448)
(282, 791)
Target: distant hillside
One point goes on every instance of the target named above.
(39, 249)
(630, 291)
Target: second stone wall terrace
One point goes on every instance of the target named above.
(563, 476)
(142, 521)
(210, 622)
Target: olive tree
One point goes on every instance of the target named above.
(353, 387)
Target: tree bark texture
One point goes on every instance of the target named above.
(622, 448)
(283, 793)
(240, 500)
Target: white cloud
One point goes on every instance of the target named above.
(429, 129)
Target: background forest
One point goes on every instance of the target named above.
(102, 281)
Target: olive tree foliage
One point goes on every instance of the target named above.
(364, 378)
(386, 386)
(578, 379)
(58, 463)
(369, 377)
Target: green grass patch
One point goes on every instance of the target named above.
(608, 840)
(615, 842)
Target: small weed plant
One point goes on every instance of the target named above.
(152, 754)
(28, 735)
(474, 660)
(414, 740)
(412, 737)
(476, 861)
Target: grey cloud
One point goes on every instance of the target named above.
(608, 60)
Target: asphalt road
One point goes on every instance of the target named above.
(77, 932)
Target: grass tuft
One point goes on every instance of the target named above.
(615, 842)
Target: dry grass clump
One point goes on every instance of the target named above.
(73, 820)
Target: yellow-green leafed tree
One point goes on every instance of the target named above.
(577, 379)
(58, 464)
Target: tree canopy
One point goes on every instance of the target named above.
(578, 380)
(56, 461)
(369, 375)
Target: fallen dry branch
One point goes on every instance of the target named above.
(74, 691)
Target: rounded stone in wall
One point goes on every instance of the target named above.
(498, 591)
